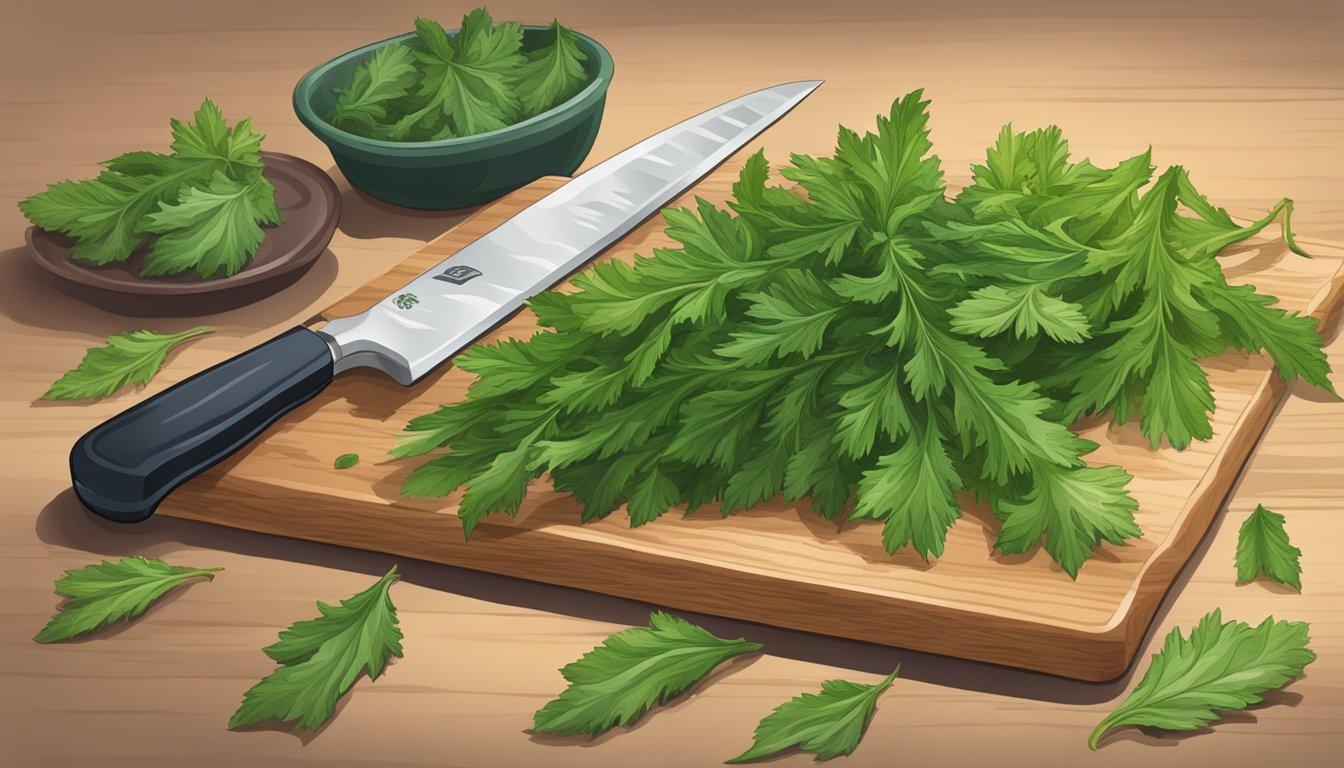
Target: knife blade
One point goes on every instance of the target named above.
(123, 468)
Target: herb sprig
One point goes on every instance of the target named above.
(1220, 667)
(127, 358)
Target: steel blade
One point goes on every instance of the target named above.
(443, 310)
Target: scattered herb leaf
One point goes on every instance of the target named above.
(1221, 667)
(102, 594)
(127, 358)
(827, 724)
(346, 460)
(206, 202)
(1263, 547)
(873, 339)
(618, 681)
(321, 658)
(435, 86)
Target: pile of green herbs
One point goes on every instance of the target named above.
(870, 338)
(435, 86)
(200, 207)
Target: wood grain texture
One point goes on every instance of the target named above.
(777, 564)
(1245, 94)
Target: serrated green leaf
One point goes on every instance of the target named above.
(321, 659)
(826, 724)
(1074, 509)
(1263, 547)
(211, 229)
(633, 670)
(912, 489)
(653, 495)
(500, 487)
(387, 76)
(793, 316)
(127, 358)
(553, 73)
(1026, 309)
(109, 592)
(1221, 667)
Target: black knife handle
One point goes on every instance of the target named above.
(124, 467)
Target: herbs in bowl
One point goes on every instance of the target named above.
(434, 86)
(200, 208)
(447, 118)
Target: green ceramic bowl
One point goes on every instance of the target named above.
(455, 173)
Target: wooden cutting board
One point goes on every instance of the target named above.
(777, 564)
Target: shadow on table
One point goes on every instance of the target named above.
(366, 217)
(33, 297)
(64, 522)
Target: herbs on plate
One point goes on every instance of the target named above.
(1263, 547)
(1221, 667)
(826, 724)
(200, 207)
(631, 671)
(436, 86)
(321, 658)
(127, 358)
(99, 595)
(865, 337)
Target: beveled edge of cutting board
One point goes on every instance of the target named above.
(1088, 652)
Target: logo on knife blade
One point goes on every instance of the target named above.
(406, 300)
(458, 274)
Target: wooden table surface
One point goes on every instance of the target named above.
(1248, 95)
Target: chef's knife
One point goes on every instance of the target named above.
(124, 467)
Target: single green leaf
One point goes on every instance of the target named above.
(1074, 509)
(109, 592)
(212, 228)
(1026, 309)
(793, 317)
(553, 73)
(500, 488)
(346, 460)
(1263, 547)
(827, 724)
(127, 358)
(387, 76)
(913, 490)
(653, 496)
(631, 671)
(1221, 667)
(321, 658)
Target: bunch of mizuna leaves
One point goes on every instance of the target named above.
(200, 207)
(435, 86)
(870, 338)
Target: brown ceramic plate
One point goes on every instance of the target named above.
(307, 197)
